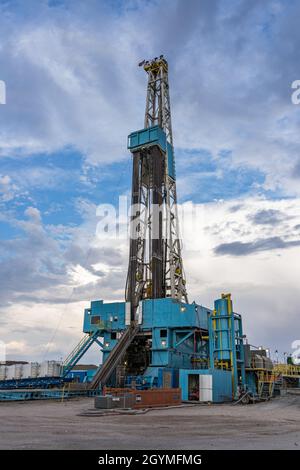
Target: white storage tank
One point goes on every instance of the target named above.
(14, 371)
(10, 372)
(35, 369)
(46, 370)
(18, 371)
(31, 370)
(26, 371)
(3, 372)
(56, 368)
(50, 369)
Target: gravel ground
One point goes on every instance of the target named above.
(57, 425)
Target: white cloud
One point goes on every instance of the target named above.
(17, 347)
(75, 83)
(81, 276)
(7, 188)
(42, 333)
(264, 285)
(34, 214)
(65, 278)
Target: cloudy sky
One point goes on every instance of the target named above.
(74, 93)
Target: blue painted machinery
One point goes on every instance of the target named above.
(33, 383)
(172, 336)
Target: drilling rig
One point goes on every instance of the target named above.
(156, 338)
(155, 263)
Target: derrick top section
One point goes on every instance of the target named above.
(155, 65)
(158, 111)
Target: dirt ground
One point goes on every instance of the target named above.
(56, 425)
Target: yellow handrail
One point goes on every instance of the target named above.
(287, 369)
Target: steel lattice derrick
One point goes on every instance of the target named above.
(155, 261)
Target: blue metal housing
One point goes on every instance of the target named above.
(171, 161)
(184, 338)
(81, 376)
(153, 136)
(221, 385)
(105, 316)
(226, 341)
(147, 137)
(171, 323)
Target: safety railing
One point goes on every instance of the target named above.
(78, 347)
(287, 370)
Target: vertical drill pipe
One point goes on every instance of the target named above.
(134, 268)
(157, 241)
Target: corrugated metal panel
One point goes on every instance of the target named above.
(214, 385)
(222, 386)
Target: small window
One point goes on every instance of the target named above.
(95, 319)
(113, 335)
(163, 333)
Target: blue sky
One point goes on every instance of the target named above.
(74, 93)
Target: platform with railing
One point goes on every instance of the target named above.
(287, 370)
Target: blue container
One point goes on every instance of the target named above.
(221, 384)
(147, 137)
(171, 161)
(223, 329)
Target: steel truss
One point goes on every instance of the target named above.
(155, 261)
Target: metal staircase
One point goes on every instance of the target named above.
(79, 350)
(279, 384)
(115, 356)
(266, 384)
(120, 375)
